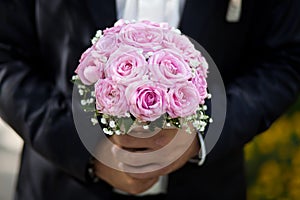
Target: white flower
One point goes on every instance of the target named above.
(110, 133)
(94, 40)
(83, 102)
(202, 129)
(94, 121)
(75, 77)
(211, 120)
(112, 124)
(81, 92)
(81, 86)
(105, 130)
(118, 132)
(90, 100)
(204, 107)
(196, 124)
(208, 96)
(146, 127)
(99, 33)
(103, 120)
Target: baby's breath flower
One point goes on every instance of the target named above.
(94, 40)
(81, 92)
(99, 33)
(83, 102)
(75, 77)
(146, 127)
(118, 132)
(110, 132)
(81, 86)
(127, 114)
(112, 124)
(105, 130)
(94, 121)
(103, 121)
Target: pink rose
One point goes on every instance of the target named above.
(203, 65)
(91, 67)
(141, 35)
(116, 28)
(182, 43)
(200, 83)
(120, 22)
(106, 45)
(110, 98)
(184, 100)
(147, 101)
(86, 53)
(168, 67)
(126, 65)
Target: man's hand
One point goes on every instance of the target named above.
(121, 180)
(158, 155)
(138, 162)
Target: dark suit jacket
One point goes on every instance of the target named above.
(41, 42)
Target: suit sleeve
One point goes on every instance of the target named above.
(262, 94)
(30, 102)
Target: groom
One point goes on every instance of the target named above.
(255, 44)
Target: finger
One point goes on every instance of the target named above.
(155, 142)
(162, 156)
(132, 158)
(144, 171)
(163, 169)
(123, 181)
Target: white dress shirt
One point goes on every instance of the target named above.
(155, 10)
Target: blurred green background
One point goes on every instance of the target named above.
(273, 160)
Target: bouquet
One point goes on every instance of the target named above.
(141, 72)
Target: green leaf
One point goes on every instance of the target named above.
(125, 123)
(157, 123)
